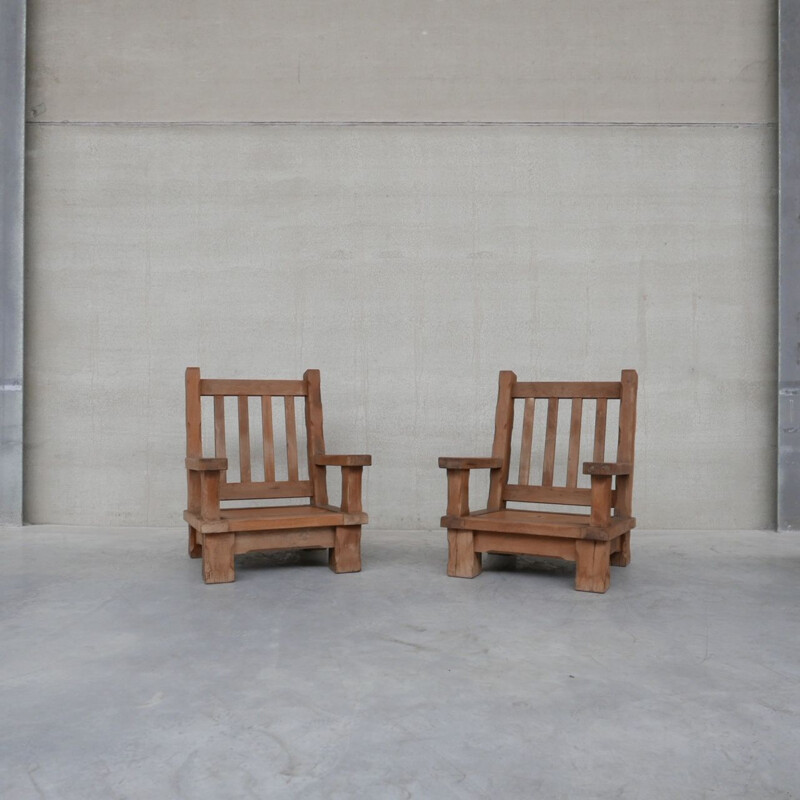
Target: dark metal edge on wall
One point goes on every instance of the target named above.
(12, 170)
(789, 266)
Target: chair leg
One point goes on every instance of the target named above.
(462, 560)
(195, 548)
(218, 558)
(592, 566)
(345, 555)
(623, 556)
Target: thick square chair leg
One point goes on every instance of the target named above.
(345, 555)
(195, 548)
(623, 556)
(592, 566)
(218, 558)
(462, 560)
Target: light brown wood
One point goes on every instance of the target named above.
(622, 556)
(219, 431)
(606, 468)
(217, 532)
(527, 441)
(462, 560)
(594, 540)
(600, 415)
(574, 442)
(550, 442)
(315, 439)
(448, 462)
(501, 447)
(291, 439)
(195, 547)
(592, 572)
(303, 539)
(559, 495)
(351, 489)
(601, 500)
(523, 544)
(245, 475)
(205, 464)
(237, 388)
(194, 439)
(343, 461)
(458, 492)
(218, 552)
(345, 555)
(209, 494)
(566, 391)
(266, 490)
(268, 439)
(627, 438)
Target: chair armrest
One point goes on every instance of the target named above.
(470, 463)
(326, 460)
(606, 468)
(206, 464)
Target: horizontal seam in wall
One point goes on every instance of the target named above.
(166, 124)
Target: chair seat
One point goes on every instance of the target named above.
(539, 523)
(275, 518)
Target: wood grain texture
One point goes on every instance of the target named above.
(527, 441)
(218, 553)
(566, 391)
(462, 560)
(592, 566)
(345, 555)
(574, 442)
(548, 465)
(239, 388)
(268, 439)
(291, 439)
(501, 447)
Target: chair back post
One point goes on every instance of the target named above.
(627, 440)
(194, 440)
(501, 448)
(315, 439)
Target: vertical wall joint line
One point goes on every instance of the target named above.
(12, 159)
(789, 267)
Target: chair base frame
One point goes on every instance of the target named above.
(592, 558)
(218, 549)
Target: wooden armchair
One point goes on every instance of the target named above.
(217, 533)
(594, 540)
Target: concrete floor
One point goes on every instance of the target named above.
(123, 676)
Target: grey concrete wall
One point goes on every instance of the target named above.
(408, 262)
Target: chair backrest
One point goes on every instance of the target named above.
(273, 485)
(591, 405)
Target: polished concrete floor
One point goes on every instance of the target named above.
(123, 676)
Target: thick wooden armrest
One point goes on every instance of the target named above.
(343, 461)
(206, 464)
(606, 468)
(470, 463)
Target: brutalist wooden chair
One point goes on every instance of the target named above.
(217, 533)
(594, 540)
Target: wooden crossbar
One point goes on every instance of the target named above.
(567, 390)
(268, 490)
(253, 388)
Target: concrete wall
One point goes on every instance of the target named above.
(602, 196)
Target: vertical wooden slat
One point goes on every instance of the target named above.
(601, 412)
(501, 448)
(220, 450)
(244, 440)
(574, 442)
(291, 438)
(268, 436)
(550, 442)
(527, 442)
(315, 440)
